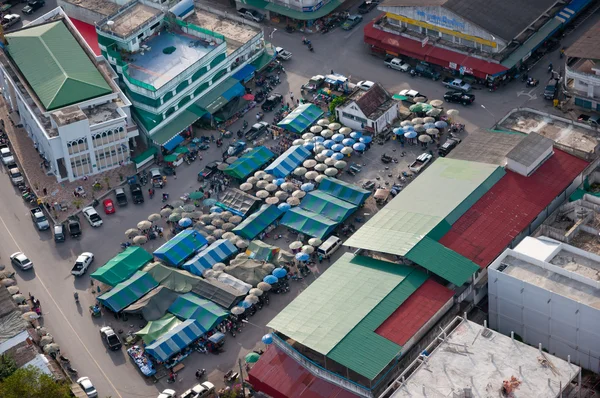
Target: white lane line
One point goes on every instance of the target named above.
(63, 314)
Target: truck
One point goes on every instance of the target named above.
(136, 193)
(256, 130)
(208, 171)
(110, 338)
(7, 156)
(283, 54)
(367, 6)
(251, 14)
(82, 263)
(551, 89)
(39, 219)
(457, 84)
(121, 197)
(74, 227)
(314, 83)
(15, 175)
(420, 163)
(397, 63)
(9, 20)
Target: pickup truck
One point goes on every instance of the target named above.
(121, 197)
(208, 170)
(397, 63)
(457, 84)
(110, 338)
(283, 54)
(7, 156)
(15, 175)
(448, 146)
(9, 20)
(593, 121)
(314, 83)
(367, 6)
(82, 263)
(256, 130)
(411, 95)
(420, 163)
(39, 219)
(251, 14)
(74, 226)
(136, 193)
(459, 97)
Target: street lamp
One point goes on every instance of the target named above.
(488, 111)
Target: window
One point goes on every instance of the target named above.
(432, 33)
(81, 165)
(352, 117)
(155, 25)
(77, 146)
(169, 112)
(487, 49)
(112, 156)
(168, 96)
(447, 37)
(468, 43)
(414, 28)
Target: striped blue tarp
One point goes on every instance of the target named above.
(181, 247)
(215, 253)
(175, 340)
(288, 161)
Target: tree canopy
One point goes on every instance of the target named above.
(31, 382)
(8, 366)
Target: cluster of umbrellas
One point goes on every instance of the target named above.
(218, 224)
(252, 297)
(304, 251)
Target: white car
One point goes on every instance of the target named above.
(88, 387)
(283, 54)
(9, 20)
(168, 393)
(199, 390)
(92, 216)
(20, 260)
(365, 85)
(82, 263)
(411, 95)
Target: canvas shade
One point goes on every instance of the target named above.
(129, 291)
(301, 118)
(331, 207)
(154, 304)
(180, 247)
(238, 202)
(122, 266)
(308, 223)
(190, 306)
(154, 329)
(344, 191)
(174, 279)
(175, 340)
(288, 161)
(258, 221)
(248, 270)
(249, 162)
(217, 252)
(218, 292)
(259, 250)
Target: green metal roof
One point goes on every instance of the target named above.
(531, 43)
(363, 350)
(56, 67)
(176, 126)
(444, 191)
(304, 16)
(214, 100)
(333, 305)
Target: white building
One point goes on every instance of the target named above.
(582, 67)
(68, 102)
(548, 293)
(373, 110)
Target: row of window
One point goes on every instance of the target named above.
(352, 117)
(81, 165)
(111, 156)
(77, 146)
(109, 136)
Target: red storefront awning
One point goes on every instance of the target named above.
(440, 56)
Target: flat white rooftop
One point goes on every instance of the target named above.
(481, 360)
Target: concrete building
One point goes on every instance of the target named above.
(582, 69)
(548, 292)
(68, 102)
(469, 360)
(374, 110)
(466, 38)
(296, 12)
(176, 71)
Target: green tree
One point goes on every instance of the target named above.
(31, 382)
(8, 366)
(335, 103)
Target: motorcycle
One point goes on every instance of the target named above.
(165, 197)
(413, 73)
(219, 143)
(71, 369)
(200, 373)
(531, 82)
(310, 48)
(125, 245)
(151, 193)
(244, 125)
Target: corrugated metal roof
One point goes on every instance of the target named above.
(484, 231)
(530, 149)
(442, 261)
(435, 195)
(366, 352)
(417, 310)
(323, 314)
(55, 65)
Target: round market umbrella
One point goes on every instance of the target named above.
(196, 195)
(216, 209)
(424, 138)
(337, 156)
(295, 245)
(347, 150)
(340, 164)
(186, 214)
(28, 316)
(166, 212)
(231, 159)
(271, 188)
(279, 273)
(270, 279)
(307, 187)
(210, 228)
(237, 310)
(252, 357)
(330, 161)
(144, 224)
(206, 218)
(245, 304)
(307, 136)
(440, 124)
(309, 145)
(319, 178)
(45, 340)
(264, 286)
(416, 108)
(320, 167)
(315, 242)
(359, 146)
(323, 122)
(185, 222)
(429, 119)
(226, 215)
(222, 166)
(131, 232)
(11, 282)
(175, 217)
(208, 273)
(217, 222)
(338, 137)
(318, 139)
(410, 134)
(311, 175)
(188, 208)
(177, 203)
(334, 126)
(154, 217)
(419, 128)
(299, 141)
(287, 186)
(331, 172)
(245, 186)
(13, 289)
(18, 298)
(262, 184)
(299, 194)
(50, 348)
(230, 236)
(284, 206)
(251, 299)
(241, 244)
(420, 99)
(452, 112)
(429, 126)
(252, 180)
(278, 181)
(316, 129)
(300, 171)
(262, 194)
(291, 201)
(211, 239)
(140, 240)
(437, 103)
(256, 291)
(417, 120)
(356, 135)
(309, 163)
(301, 257)
(217, 233)
(326, 133)
(345, 130)
(308, 249)
(320, 157)
(434, 112)
(406, 123)
(178, 210)
(348, 141)
(272, 200)
(209, 202)
(399, 130)
(195, 214)
(259, 174)
(218, 267)
(235, 220)
(366, 139)
(433, 131)
(281, 195)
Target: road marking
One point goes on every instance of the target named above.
(63, 314)
(527, 93)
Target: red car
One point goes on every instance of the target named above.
(109, 207)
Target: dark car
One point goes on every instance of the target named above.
(256, 130)
(593, 121)
(110, 338)
(427, 71)
(459, 97)
(121, 197)
(74, 226)
(208, 170)
(136, 193)
(367, 6)
(59, 233)
(551, 89)
(448, 146)
(33, 6)
(271, 102)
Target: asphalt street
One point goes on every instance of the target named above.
(112, 372)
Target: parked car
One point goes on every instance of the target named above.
(168, 393)
(365, 85)
(82, 263)
(448, 146)
(136, 193)
(314, 83)
(256, 130)
(351, 22)
(459, 97)
(92, 216)
(199, 390)
(252, 15)
(551, 89)
(593, 121)
(397, 63)
(367, 6)
(59, 233)
(121, 197)
(411, 95)
(110, 338)
(235, 148)
(427, 71)
(33, 6)
(283, 54)
(109, 206)
(6, 154)
(88, 387)
(74, 226)
(272, 102)
(208, 170)
(20, 260)
(9, 20)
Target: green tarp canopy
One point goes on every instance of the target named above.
(333, 208)
(301, 118)
(250, 162)
(128, 292)
(308, 223)
(344, 191)
(258, 222)
(177, 280)
(261, 251)
(154, 304)
(122, 266)
(154, 329)
(207, 313)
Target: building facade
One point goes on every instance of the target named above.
(582, 69)
(80, 127)
(295, 12)
(373, 110)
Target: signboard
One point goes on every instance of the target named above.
(424, 41)
(313, 8)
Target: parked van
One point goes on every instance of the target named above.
(15, 175)
(329, 247)
(551, 89)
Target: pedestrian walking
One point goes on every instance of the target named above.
(174, 174)
(45, 190)
(292, 96)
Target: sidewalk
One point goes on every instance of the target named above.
(31, 166)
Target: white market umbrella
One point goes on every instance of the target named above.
(308, 249)
(252, 180)
(309, 163)
(140, 240)
(315, 242)
(273, 200)
(316, 129)
(295, 245)
(268, 177)
(320, 178)
(299, 194)
(420, 100)
(262, 184)
(340, 164)
(345, 130)
(154, 217)
(166, 212)
(323, 122)
(429, 119)
(307, 136)
(144, 224)
(331, 172)
(326, 133)
(311, 175)
(417, 120)
(334, 126)
(330, 161)
(300, 171)
(259, 174)
(281, 195)
(321, 157)
(293, 201)
(287, 186)
(262, 194)
(424, 138)
(452, 112)
(347, 150)
(246, 186)
(231, 159)
(131, 232)
(271, 188)
(298, 142)
(436, 103)
(321, 167)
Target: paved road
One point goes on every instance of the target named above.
(25, 19)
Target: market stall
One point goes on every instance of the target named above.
(333, 208)
(344, 191)
(301, 118)
(217, 252)
(258, 221)
(288, 161)
(153, 305)
(144, 364)
(234, 283)
(154, 329)
(174, 279)
(127, 292)
(175, 340)
(207, 313)
(249, 271)
(238, 202)
(218, 292)
(308, 223)
(181, 247)
(122, 266)
(249, 162)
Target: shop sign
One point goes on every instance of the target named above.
(452, 65)
(313, 8)
(442, 20)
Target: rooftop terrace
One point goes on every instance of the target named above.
(103, 7)
(236, 33)
(129, 20)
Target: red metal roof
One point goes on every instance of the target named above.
(417, 310)
(89, 34)
(280, 376)
(412, 48)
(489, 226)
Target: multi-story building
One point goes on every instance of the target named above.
(176, 71)
(582, 69)
(295, 12)
(68, 102)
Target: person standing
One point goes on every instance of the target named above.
(292, 96)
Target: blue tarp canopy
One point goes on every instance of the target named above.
(236, 91)
(173, 142)
(288, 161)
(258, 222)
(175, 340)
(207, 313)
(301, 118)
(215, 253)
(128, 292)
(329, 206)
(180, 247)
(344, 191)
(245, 73)
(308, 223)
